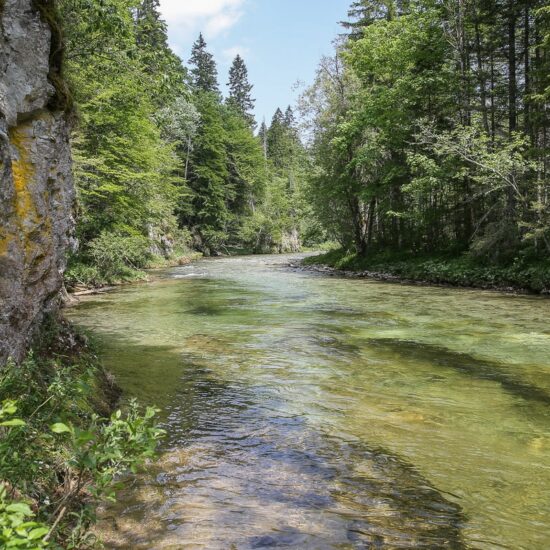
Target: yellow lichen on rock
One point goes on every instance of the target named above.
(23, 174)
(36, 187)
(4, 244)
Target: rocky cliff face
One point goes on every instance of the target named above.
(36, 188)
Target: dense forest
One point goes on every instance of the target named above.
(429, 130)
(425, 133)
(163, 163)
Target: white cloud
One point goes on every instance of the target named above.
(186, 17)
(230, 53)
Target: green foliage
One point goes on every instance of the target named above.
(156, 152)
(80, 274)
(226, 168)
(17, 530)
(110, 258)
(240, 89)
(208, 175)
(122, 168)
(282, 215)
(178, 122)
(59, 455)
(264, 231)
(203, 72)
(125, 145)
(521, 274)
(429, 130)
(246, 170)
(116, 254)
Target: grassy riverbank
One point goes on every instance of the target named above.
(452, 270)
(62, 444)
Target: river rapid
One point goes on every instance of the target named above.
(306, 411)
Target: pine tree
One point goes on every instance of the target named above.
(208, 176)
(278, 117)
(204, 73)
(239, 90)
(150, 28)
(276, 139)
(262, 136)
(363, 13)
(164, 69)
(289, 117)
(246, 166)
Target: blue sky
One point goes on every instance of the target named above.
(281, 41)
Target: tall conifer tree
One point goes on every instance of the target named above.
(150, 28)
(262, 135)
(289, 119)
(204, 73)
(239, 90)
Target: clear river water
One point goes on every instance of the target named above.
(306, 411)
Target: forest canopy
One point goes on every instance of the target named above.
(429, 129)
(164, 164)
(425, 132)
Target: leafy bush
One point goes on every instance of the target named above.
(110, 258)
(17, 530)
(117, 256)
(114, 258)
(58, 455)
(81, 274)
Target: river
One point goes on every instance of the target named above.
(306, 411)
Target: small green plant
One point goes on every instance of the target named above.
(17, 529)
(59, 455)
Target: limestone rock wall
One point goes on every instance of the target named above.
(36, 187)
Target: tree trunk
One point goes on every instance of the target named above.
(481, 77)
(527, 68)
(512, 82)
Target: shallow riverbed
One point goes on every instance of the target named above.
(312, 412)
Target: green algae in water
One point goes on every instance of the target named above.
(321, 412)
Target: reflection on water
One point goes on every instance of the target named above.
(243, 471)
(312, 412)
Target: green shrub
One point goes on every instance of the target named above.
(117, 255)
(17, 530)
(81, 274)
(108, 259)
(59, 455)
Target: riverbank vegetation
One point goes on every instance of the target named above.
(426, 132)
(62, 448)
(429, 135)
(164, 165)
(447, 269)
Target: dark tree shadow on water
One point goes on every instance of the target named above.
(238, 472)
(467, 364)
